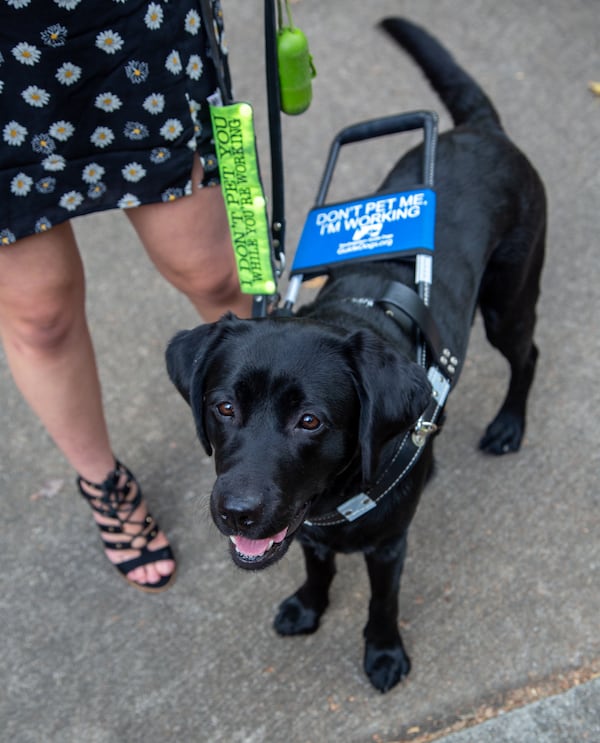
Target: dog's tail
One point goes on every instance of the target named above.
(464, 99)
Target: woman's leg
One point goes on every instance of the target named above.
(49, 350)
(189, 242)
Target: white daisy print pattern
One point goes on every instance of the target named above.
(67, 4)
(7, 237)
(210, 163)
(93, 173)
(55, 35)
(43, 144)
(68, 73)
(61, 130)
(102, 136)
(97, 190)
(109, 41)
(26, 53)
(21, 184)
(108, 102)
(128, 201)
(102, 106)
(42, 225)
(194, 108)
(46, 185)
(135, 130)
(14, 133)
(137, 72)
(133, 172)
(71, 200)
(159, 155)
(155, 103)
(194, 111)
(54, 163)
(36, 97)
(154, 16)
(171, 129)
(194, 67)
(173, 63)
(172, 193)
(192, 22)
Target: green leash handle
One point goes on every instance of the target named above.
(243, 193)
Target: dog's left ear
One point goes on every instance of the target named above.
(392, 391)
(188, 356)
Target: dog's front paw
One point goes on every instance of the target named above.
(504, 434)
(294, 618)
(386, 666)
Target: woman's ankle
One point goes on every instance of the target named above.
(94, 473)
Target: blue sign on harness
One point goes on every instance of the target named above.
(379, 226)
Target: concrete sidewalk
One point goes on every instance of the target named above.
(501, 589)
(569, 718)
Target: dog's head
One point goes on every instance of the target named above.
(288, 405)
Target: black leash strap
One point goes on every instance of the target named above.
(218, 55)
(274, 110)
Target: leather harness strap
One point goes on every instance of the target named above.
(397, 296)
(401, 297)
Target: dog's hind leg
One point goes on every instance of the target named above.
(385, 660)
(300, 613)
(507, 300)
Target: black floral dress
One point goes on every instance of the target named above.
(102, 105)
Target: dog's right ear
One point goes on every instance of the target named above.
(188, 356)
(392, 390)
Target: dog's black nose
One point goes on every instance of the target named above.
(239, 513)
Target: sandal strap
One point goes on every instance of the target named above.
(112, 502)
(112, 499)
(146, 557)
(148, 524)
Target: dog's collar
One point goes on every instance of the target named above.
(405, 457)
(400, 297)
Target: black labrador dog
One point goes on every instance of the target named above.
(304, 413)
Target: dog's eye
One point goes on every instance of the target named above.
(309, 422)
(226, 409)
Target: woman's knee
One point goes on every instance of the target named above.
(41, 330)
(41, 293)
(41, 320)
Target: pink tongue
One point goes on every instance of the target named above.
(257, 547)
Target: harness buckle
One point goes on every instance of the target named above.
(355, 507)
(422, 431)
(440, 385)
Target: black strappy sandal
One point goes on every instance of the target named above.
(112, 502)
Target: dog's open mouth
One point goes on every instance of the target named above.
(254, 554)
(257, 550)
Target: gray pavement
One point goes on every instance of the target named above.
(571, 717)
(501, 589)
